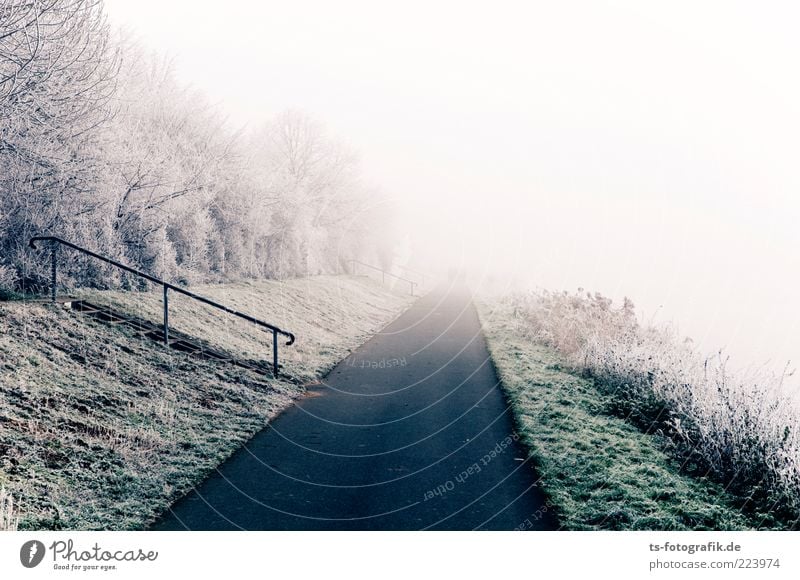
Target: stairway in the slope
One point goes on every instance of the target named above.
(177, 340)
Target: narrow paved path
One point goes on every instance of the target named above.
(410, 432)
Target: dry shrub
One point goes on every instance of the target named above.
(741, 427)
(8, 514)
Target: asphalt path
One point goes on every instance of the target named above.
(410, 432)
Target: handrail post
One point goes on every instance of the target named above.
(275, 353)
(53, 266)
(166, 315)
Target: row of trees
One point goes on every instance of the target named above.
(101, 145)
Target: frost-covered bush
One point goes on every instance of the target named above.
(8, 277)
(741, 427)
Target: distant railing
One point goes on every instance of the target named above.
(423, 275)
(54, 241)
(383, 272)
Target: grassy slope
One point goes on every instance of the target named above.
(100, 429)
(598, 470)
(329, 315)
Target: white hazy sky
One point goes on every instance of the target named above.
(647, 149)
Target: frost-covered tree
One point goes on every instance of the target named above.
(167, 155)
(57, 79)
(100, 144)
(313, 199)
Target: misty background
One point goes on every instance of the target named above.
(637, 150)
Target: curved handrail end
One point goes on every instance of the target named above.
(34, 239)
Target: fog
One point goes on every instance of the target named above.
(639, 149)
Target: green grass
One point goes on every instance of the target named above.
(599, 471)
(103, 429)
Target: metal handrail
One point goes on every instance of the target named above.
(166, 286)
(384, 272)
(421, 273)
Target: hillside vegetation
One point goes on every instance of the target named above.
(634, 429)
(102, 145)
(103, 429)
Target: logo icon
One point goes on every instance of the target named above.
(32, 553)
